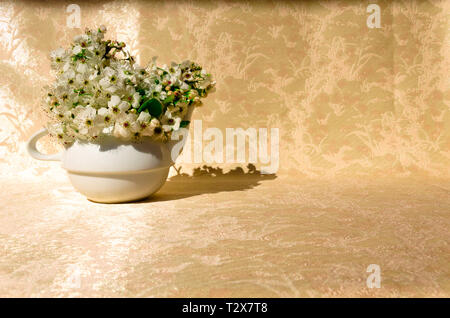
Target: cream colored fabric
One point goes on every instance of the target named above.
(227, 236)
(364, 156)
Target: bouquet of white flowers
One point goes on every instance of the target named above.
(100, 90)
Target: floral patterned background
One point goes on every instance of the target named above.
(364, 125)
(346, 98)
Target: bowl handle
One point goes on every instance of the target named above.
(36, 154)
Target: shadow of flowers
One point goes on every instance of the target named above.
(207, 179)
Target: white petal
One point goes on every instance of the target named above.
(77, 49)
(103, 111)
(115, 100)
(124, 106)
(81, 68)
(144, 116)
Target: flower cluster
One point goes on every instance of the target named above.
(100, 90)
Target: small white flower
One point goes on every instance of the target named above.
(106, 115)
(58, 53)
(61, 134)
(204, 84)
(85, 119)
(81, 39)
(170, 122)
(180, 110)
(185, 64)
(154, 129)
(98, 93)
(184, 86)
(110, 79)
(144, 124)
(57, 58)
(77, 49)
(144, 117)
(124, 106)
(123, 126)
(82, 67)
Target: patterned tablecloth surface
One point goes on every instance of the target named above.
(227, 235)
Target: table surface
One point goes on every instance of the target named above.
(237, 234)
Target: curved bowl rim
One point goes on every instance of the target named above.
(116, 172)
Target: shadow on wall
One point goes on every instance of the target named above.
(209, 180)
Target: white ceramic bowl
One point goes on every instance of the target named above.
(112, 170)
(116, 171)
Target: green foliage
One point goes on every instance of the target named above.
(169, 99)
(153, 106)
(184, 123)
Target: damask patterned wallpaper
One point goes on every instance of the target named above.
(347, 99)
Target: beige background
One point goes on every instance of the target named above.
(364, 155)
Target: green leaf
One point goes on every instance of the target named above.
(153, 106)
(143, 100)
(141, 91)
(169, 99)
(184, 123)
